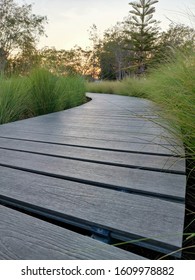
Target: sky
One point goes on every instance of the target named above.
(69, 21)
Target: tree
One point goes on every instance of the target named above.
(58, 61)
(63, 62)
(96, 50)
(178, 36)
(20, 29)
(144, 33)
(23, 62)
(113, 57)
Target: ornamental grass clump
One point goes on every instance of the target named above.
(39, 93)
(14, 99)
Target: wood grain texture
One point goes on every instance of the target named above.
(26, 238)
(143, 131)
(140, 136)
(131, 127)
(130, 159)
(135, 180)
(93, 143)
(81, 153)
(134, 216)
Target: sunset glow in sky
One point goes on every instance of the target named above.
(69, 21)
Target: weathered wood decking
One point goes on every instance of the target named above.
(109, 167)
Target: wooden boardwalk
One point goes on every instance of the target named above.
(74, 182)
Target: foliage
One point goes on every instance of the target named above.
(22, 63)
(42, 91)
(49, 93)
(39, 93)
(129, 86)
(19, 29)
(74, 61)
(13, 99)
(105, 87)
(114, 57)
(118, 57)
(173, 87)
(96, 50)
(177, 37)
(125, 50)
(71, 91)
(144, 32)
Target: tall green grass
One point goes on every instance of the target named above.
(172, 86)
(39, 93)
(14, 99)
(111, 87)
(42, 94)
(131, 87)
(70, 91)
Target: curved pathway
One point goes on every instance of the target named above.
(75, 181)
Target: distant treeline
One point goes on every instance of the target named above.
(128, 48)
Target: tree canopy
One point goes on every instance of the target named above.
(145, 31)
(128, 48)
(20, 29)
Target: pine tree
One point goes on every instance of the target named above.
(144, 32)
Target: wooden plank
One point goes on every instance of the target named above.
(85, 120)
(109, 135)
(45, 124)
(169, 164)
(85, 202)
(95, 143)
(130, 216)
(122, 103)
(115, 110)
(88, 121)
(134, 180)
(23, 237)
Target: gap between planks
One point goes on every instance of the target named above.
(98, 148)
(157, 169)
(67, 221)
(28, 238)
